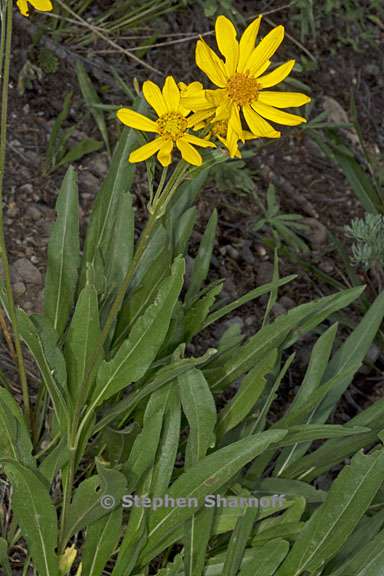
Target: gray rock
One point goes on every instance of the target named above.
(26, 188)
(99, 165)
(34, 213)
(264, 273)
(88, 182)
(19, 289)
(287, 302)
(25, 271)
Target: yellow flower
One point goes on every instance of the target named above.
(227, 136)
(241, 80)
(42, 5)
(172, 125)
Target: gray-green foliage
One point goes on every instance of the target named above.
(367, 235)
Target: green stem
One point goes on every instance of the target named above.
(3, 249)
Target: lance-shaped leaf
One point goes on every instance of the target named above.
(102, 227)
(36, 516)
(81, 342)
(15, 441)
(204, 478)
(296, 322)
(100, 542)
(202, 260)
(94, 498)
(41, 340)
(200, 410)
(331, 525)
(267, 559)
(137, 353)
(63, 255)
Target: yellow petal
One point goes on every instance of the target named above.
(210, 64)
(171, 94)
(223, 111)
(265, 49)
(144, 152)
(277, 75)
(135, 120)
(23, 7)
(227, 43)
(235, 122)
(231, 143)
(257, 124)
(164, 155)
(198, 117)
(154, 97)
(283, 99)
(198, 141)
(247, 43)
(262, 69)
(42, 5)
(188, 152)
(277, 115)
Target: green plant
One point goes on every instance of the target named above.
(126, 409)
(285, 228)
(368, 240)
(59, 153)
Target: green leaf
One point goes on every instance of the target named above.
(267, 559)
(81, 342)
(366, 531)
(238, 541)
(63, 255)
(297, 321)
(251, 388)
(91, 98)
(328, 529)
(41, 340)
(142, 296)
(367, 561)
(101, 540)
(54, 140)
(55, 460)
(197, 533)
(82, 148)
(317, 365)
(169, 443)
(200, 410)
(36, 516)
(138, 352)
(143, 453)
(202, 260)
(15, 441)
(198, 312)
(4, 562)
(252, 295)
(102, 227)
(204, 478)
(354, 349)
(158, 379)
(266, 486)
(87, 504)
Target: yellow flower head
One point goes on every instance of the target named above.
(42, 5)
(172, 125)
(241, 80)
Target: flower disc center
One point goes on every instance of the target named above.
(172, 125)
(242, 89)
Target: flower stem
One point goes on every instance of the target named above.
(6, 54)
